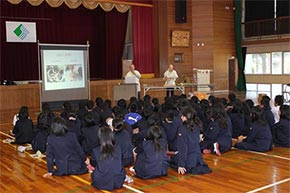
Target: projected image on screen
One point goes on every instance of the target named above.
(63, 69)
(54, 73)
(64, 72)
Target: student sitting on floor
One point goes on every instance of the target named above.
(64, 151)
(89, 133)
(218, 135)
(108, 173)
(236, 115)
(74, 125)
(278, 101)
(265, 104)
(23, 129)
(259, 137)
(123, 139)
(281, 130)
(171, 125)
(42, 131)
(189, 158)
(151, 160)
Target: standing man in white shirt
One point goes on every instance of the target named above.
(170, 76)
(136, 74)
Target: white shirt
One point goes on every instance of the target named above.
(275, 111)
(170, 77)
(137, 75)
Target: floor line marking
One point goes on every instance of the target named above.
(74, 176)
(7, 135)
(270, 155)
(214, 169)
(131, 188)
(269, 186)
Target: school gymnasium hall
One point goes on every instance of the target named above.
(73, 50)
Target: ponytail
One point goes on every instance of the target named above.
(154, 134)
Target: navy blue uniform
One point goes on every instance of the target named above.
(23, 131)
(90, 138)
(109, 174)
(75, 127)
(66, 154)
(171, 130)
(238, 124)
(189, 155)
(281, 133)
(40, 140)
(151, 163)
(217, 134)
(269, 117)
(248, 122)
(123, 139)
(258, 139)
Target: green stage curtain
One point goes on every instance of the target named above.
(241, 84)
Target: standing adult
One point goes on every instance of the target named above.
(170, 76)
(135, 74)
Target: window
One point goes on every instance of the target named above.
(276, 62)
(268, 63)
(258, 63)
(286, 61)
(253, 90)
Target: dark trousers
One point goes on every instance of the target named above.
(169, 92)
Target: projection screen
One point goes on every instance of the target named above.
(64, 72)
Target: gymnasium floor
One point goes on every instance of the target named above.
(234, 171)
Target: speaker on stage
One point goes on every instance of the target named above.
(180, 11)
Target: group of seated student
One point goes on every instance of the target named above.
(148, 136)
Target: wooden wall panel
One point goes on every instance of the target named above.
(184, 68)
(224, 42)
(15, 96)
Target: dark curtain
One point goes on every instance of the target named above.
(113, 44)
(142, 39)
(283, 22)
(283, 8)
(241, 84)
(62, 25)
(257, 10)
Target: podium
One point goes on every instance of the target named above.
(124, 91)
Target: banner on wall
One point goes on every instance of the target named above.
(17, 31)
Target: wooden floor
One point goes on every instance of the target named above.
(234, 171)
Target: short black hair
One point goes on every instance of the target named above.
(279, 100)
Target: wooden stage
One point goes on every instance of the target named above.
(234, 171)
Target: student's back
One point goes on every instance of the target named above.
(23, 131)
(267, 110)
(74, 125)
(218, 135)
(42, 130)
(123, 139)
(237, 118)
(89, 134)
(281, 130)
(151, 160)
(259, 137)
(64, 151)
(109, 172)
(90, 138)
(171, 126)
(281, 133)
